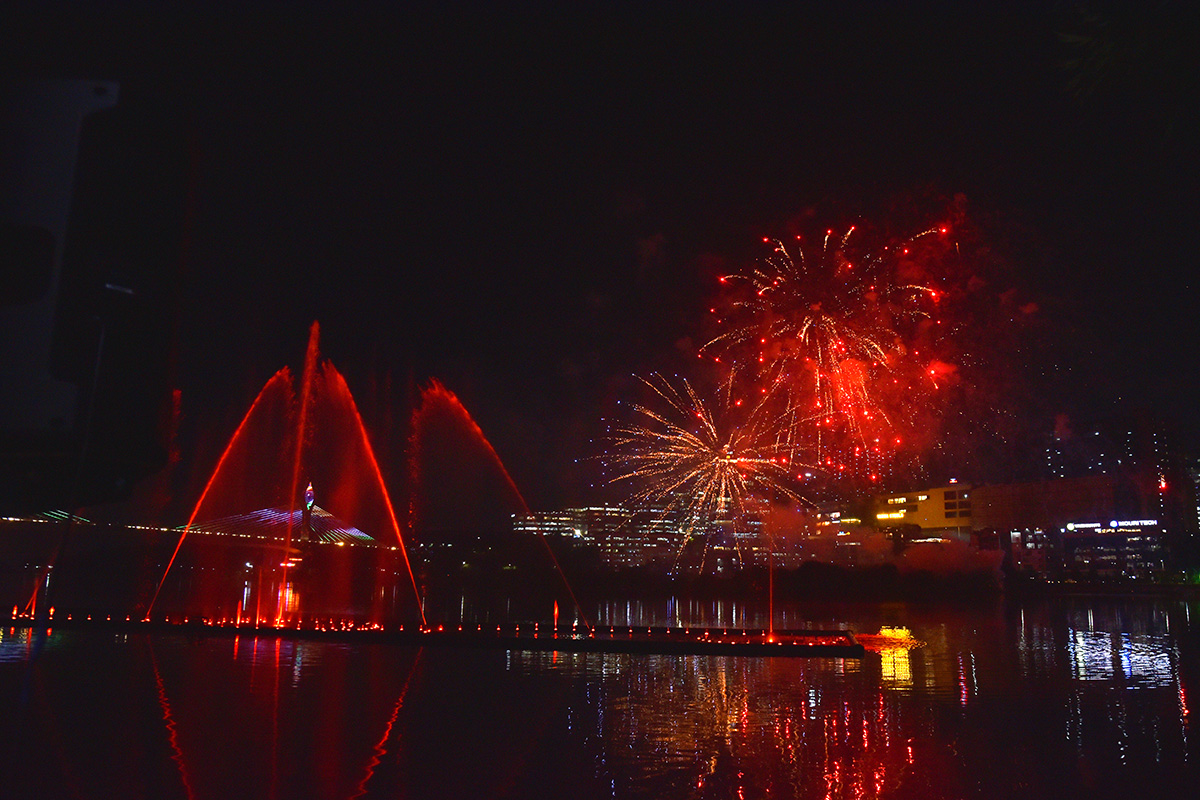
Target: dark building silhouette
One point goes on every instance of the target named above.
(93, 196)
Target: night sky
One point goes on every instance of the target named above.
(532, 204)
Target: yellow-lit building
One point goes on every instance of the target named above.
(941, 512)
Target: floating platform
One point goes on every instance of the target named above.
(889, 638)
(661, 641)
(799, 643)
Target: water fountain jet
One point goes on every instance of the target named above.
(317, 431)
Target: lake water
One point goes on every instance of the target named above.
(1066, 697)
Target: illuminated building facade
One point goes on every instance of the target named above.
(564, 524)
(629, 538)
(941, 512)
(1090, 527)
(1095, 527)
(843, 534)
(1139, 452)
(1112, 549)
(1030, 550)
(654, 536)
(623, 537)
(834, 519)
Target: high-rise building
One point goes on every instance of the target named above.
(661, 536)
(623, 537)
(1137, 450)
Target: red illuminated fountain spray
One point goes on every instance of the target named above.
(279, 380)
(328, 434)
(306, 396)
(310, 432)
(439, 403)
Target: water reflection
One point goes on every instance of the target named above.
(1065, 698)
(161, 717)
(719, 726)
(895, 667)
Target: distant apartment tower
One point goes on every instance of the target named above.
(1193, 482)
(1139, 452)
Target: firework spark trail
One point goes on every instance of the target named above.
(699, 465)
(819, 334)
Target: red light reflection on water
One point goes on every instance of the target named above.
(338, 721)
(380, 750)
(771, 727)
(172, 728)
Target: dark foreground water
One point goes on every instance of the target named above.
(1070, 697)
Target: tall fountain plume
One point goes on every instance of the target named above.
(296, 434)
(442, 425)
